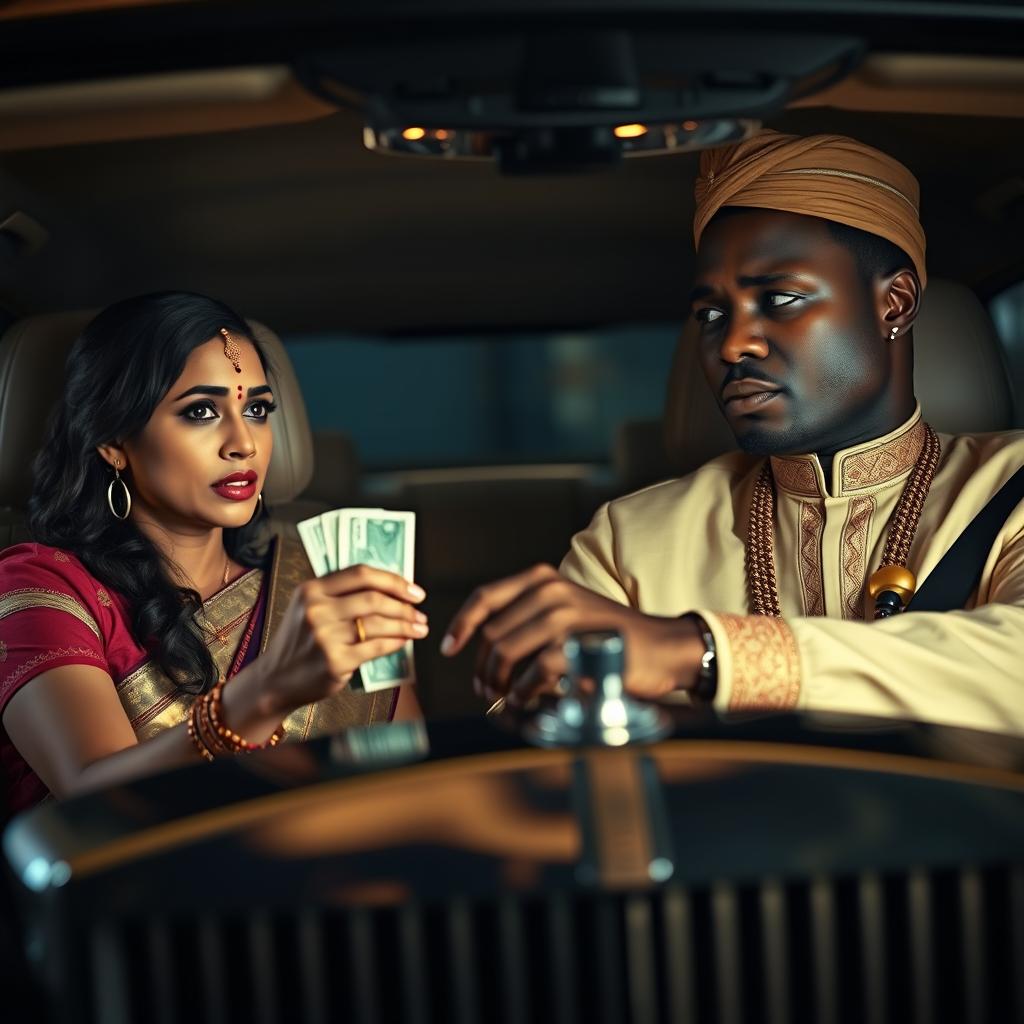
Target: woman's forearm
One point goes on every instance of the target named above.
(244, 711)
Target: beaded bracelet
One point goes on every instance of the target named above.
(194, 733)
(235, 742)
(211, 736)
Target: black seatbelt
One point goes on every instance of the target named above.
(951, 582)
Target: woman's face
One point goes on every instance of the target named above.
(210, 427)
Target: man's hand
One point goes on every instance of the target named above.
(524, 620)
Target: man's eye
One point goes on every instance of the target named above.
(708, 315)
(783, 298)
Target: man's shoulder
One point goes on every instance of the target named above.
(998, 454)
(704, 486)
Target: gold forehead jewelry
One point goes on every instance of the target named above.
(231, 349)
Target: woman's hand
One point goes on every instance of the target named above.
(317, 646)
(524, 620)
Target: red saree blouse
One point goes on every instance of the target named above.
(53, 612)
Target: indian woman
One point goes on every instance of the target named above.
(155, 619)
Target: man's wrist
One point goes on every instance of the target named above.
(695, 659)
(706, 686)
(686, 651)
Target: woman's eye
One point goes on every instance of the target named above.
(193, 413)
(261, 410)
(708, 315)
(783, 299)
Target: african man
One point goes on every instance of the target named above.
(787, 559)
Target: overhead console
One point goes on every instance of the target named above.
(573, 99)
(563, 85)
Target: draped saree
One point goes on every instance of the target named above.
(54, 612)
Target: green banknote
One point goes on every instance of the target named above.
(384, 540)
(366, 536)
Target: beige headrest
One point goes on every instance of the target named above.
(335, 469)
(959, 377)
(32, 356)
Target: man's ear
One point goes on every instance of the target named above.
(898, 299)
(113, 455)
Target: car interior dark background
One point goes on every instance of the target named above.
(496, 343)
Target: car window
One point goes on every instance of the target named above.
(476, 399)
(1007, 310)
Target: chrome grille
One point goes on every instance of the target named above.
(920, 946)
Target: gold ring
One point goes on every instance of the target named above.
(360, 630)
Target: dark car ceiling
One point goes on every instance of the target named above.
(301, 227)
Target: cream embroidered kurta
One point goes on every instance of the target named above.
(679, 547)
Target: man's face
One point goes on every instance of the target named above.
(789, 337)
(212, 424)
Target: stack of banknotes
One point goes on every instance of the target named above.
(366, 536)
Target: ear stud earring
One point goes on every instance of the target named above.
(893, 333)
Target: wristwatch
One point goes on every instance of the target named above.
(707, 675)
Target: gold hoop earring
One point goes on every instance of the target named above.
(127, 495)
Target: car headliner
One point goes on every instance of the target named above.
(298, 225)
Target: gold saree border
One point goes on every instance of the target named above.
(153, 703)
(32, 597)
(52, 655)
(150, 698)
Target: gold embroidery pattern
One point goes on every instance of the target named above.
(104, 598)
(150, 698)
(884, 462)
(223, 635)
(765, 662)
(3, 651)
(795, 475)
(21, 600)
(854, 556)
(44, 656)
(162, 704)
(812, 585)
(60, 556)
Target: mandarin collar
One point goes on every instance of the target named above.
(871, 466)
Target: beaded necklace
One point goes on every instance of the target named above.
(891, 586)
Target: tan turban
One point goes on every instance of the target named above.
(826, 176)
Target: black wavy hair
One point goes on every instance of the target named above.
(117, 372)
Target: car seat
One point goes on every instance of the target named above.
(33, 348)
